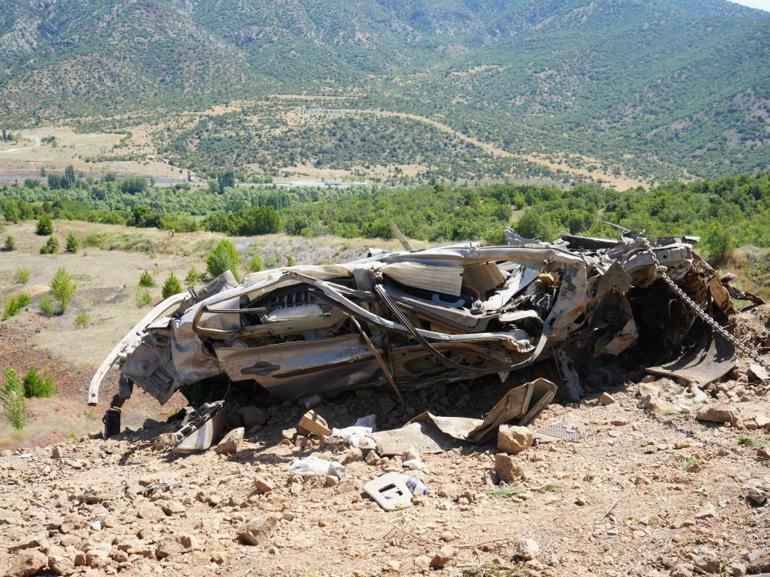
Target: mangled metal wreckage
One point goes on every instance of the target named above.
(414, 318)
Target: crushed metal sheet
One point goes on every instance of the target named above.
(558, 432)
(700, 365)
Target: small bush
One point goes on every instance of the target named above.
(143, 298)
(193, 276)
(44, 225)
(10, 243)
(47, 305)
(37, 385)
(21, 276)
(51, 246)
(14, 304)
(171, 286)
(224, 257)
(62, 288)
(256, 264)
(82, 320)
(147, 280)
(291, 261)
(72, 244)
(12, 398)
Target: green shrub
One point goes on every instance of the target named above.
(291, 261)
(37, 385)
(14, 304)
(44, 225)
(62, 288)
(12, 398)
(72, 244)
(10, 243)
(51, 246)
(21, 276)
(47, 305)
(147, 280)
(224, 257)
(143, 298)
(193, 276)
(82, 320)
(171, 286)
(256, 264)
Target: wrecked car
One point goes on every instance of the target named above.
(415, 318)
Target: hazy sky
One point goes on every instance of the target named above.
(761, 4)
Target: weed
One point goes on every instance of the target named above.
(551, 488)
(14, 304)
(171, 286)
(37, 385)
(147, 280)
(746, 441)
(193, 276)
(21, 276)
(143, 298)
(690, 464)
(10, 243)
(503, 492)
(491, 571)
(291, 261)
(12, 399)
(256, 264)
(47, 305)
(82, 320)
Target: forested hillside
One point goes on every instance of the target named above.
(667, 88)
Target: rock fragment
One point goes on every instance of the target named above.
(252, 416)
(442, 557)
(717, 413)
(257, 531)
(263, 485)
(527, 549)
(507, 468)
(26, 564)
(708, 511)
(231, 442)
(312, 423)
(606, 399)
(513, 439)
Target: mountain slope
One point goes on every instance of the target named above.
(670, 87)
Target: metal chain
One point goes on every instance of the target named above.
(702, 314)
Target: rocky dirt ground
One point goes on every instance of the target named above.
(655, 487)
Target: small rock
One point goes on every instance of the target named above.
(352, 455)
(56, 452)
(507, 469)
(312, 423)
(619, 422)
(514, 440)
(231, 443)
(758, 561)
(606, 399)
(527, 549)
(263, 485)
(442, 557)
(394, 565)
(165, 441)
(172, 507)
(28, 563)
(763, 453)
(707, 512)
(707, 561)
(758, 373)
(252, 416)
(8, 517)
(168, 547)
(149, 512)
(717, 413)
(257, 531)
(757, 497)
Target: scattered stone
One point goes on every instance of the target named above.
(168, 547)
(527, 549)
(352, 455)
(149, 511)
(606, 399)
(507, 469)
(263, 485)
(257, 531)
(312, 423)
(172, 507)
(513, 439)
(252, 416)
(165, 441)
(707, 561)
(758, 561)
(394, 565)
(757, 497)
(8, 517)
(717, 413)
(28, 563)
(442, 557)
(758, 373)
(707, 512)
(56, 452)
(59, 562)
(682, 445)
(763, 453)
(35, 541)
(231, 443)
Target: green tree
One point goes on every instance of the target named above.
(224, 257)
(72, 244)
(44, 225)
(12, 399)
(62, 288)
(37, 385)
(171, 286)
(146, 280)
(256, 264)
(10, 243)
(51, 246)
(70, 178)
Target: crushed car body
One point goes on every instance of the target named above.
(416, 318)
